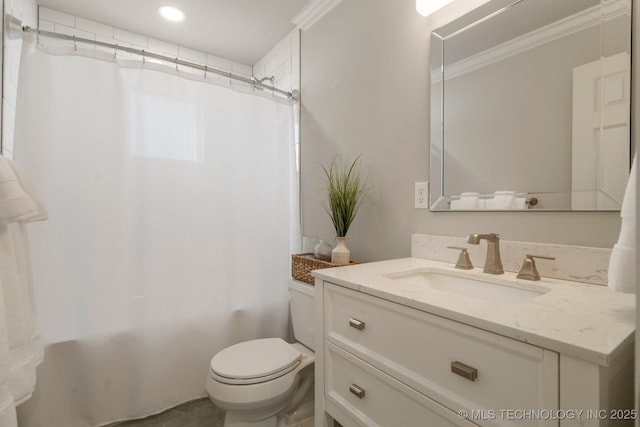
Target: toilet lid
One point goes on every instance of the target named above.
(255, 359)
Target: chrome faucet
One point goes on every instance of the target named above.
(493, 263)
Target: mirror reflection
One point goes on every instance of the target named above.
(531, 106)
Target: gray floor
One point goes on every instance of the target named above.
(197, 413)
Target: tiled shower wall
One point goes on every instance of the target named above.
(59, 22)
(282, 62)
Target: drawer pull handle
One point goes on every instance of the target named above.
(357, 391)
(355, 323)
(465, 371)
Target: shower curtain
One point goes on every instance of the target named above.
(172, 205)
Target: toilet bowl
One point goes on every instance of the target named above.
(268, 382)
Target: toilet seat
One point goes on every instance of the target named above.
(253, 362)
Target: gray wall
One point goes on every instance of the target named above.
(364, 84)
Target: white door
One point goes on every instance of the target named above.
(600, 136)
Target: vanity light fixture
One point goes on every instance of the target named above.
(427, 7)
(171, 13)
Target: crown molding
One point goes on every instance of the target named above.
(313, 12)
(553, 31)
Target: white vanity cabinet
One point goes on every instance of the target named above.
(382, 363)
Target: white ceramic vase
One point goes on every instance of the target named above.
(341, 254)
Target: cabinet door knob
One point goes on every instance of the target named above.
(356, 390)
(465, 371)
(355, 323)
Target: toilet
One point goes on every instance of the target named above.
(268, 382)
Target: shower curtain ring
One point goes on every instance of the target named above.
(115, 52)
(144, 58)
(75, 44)
(176, 63)
(205, 71)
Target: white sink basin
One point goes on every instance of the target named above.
(490, 288)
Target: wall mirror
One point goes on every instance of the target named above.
(530, 106)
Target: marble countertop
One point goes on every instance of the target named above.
(588, 322)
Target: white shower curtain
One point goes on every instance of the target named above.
(170, 203)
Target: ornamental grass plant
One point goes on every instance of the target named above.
(345, 191)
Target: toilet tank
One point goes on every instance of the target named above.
(301, 301)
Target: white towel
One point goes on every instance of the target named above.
(7, 402)
(36, 351)
(628, 209)
(467, 201)
(622, 269)
(7, 409)
(21, 349)
(501, 200)
(622, 264)
(507, 200)
(23, 339)
(15, 203)
(41, 213)
(519, 203)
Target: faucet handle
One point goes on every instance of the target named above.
(464, 262)
(529, 270)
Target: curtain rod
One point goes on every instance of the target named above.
(14, 23)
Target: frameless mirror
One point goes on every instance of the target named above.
(530, 106)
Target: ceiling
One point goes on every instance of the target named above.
(240, 30)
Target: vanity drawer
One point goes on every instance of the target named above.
(419, 349)
(373, 398)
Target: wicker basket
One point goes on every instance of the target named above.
(302, 264)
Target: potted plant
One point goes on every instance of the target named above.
(345, 191)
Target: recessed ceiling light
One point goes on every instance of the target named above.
(171, 13)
